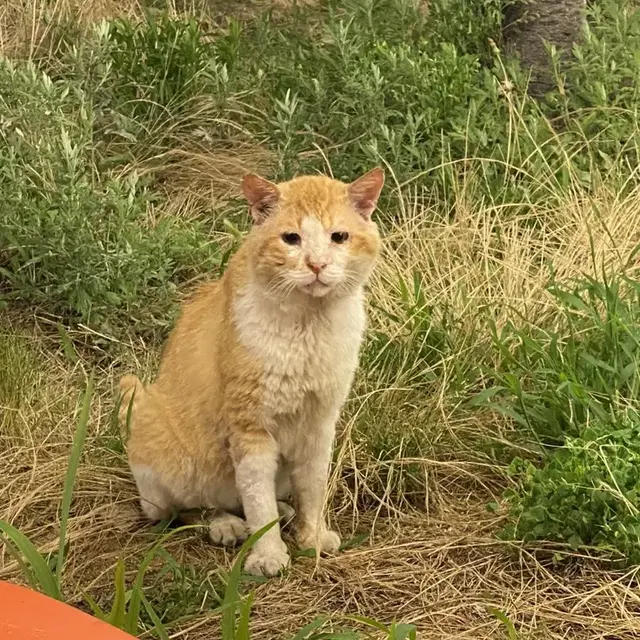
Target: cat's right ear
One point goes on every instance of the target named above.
(261, 195)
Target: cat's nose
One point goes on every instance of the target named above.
(316, 265)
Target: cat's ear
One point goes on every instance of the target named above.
(365, 191)
(261, 195)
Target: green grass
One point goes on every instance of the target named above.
(17, 376)
(501, 361)
(34, 566)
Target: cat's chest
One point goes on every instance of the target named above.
(302, 353)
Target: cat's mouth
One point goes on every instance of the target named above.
(316, 288)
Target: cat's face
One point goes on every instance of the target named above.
(314, 235)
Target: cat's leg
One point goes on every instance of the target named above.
(155, 498)
(256, 457)
(309, 477)
(283, 495)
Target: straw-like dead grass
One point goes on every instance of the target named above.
(485, 258)
(26, 25)
(432, 557)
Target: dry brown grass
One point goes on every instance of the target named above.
(486, 258)
(432, 557)
(198, 181)
(26, 25)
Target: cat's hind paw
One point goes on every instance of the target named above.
(286, 513)
(326, 541)
(228, 530)
(267, 562)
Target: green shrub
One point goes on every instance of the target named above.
(379, 81)
(586, 493)
(574, 392)
(467, 23)
(554, 383)
(425, 95)
(76, 240)
(155, 65)
(374, 87)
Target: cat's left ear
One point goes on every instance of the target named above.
(365, 191)
(261, 195)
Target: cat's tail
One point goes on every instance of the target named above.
(131, 390)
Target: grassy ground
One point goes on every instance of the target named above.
(487, 455)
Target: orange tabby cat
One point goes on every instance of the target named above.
(254, 374)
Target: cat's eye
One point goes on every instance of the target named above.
(291, 238)
(339, 237)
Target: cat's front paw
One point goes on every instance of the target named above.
(324, 541)
(267, 561)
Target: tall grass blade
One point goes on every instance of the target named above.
(161, 632)
(95, 608)
(242, 631)
(374, 624)
(24, 567)
(117, 615)
(511, 630)
(74, 460)
(232, 593)
(308, 629)
(42, 574)
(67, 344)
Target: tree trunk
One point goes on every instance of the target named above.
(529, 23)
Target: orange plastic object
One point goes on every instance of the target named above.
(29, 615)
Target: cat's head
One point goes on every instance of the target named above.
(313, 234)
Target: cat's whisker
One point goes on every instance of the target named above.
(279, 285)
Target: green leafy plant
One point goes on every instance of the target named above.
(554, 383)
(504, 619)
(586, 493)
(73, 240)
(573, 394)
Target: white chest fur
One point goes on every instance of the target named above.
(307, 349)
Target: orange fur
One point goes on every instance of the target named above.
(253, 376)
